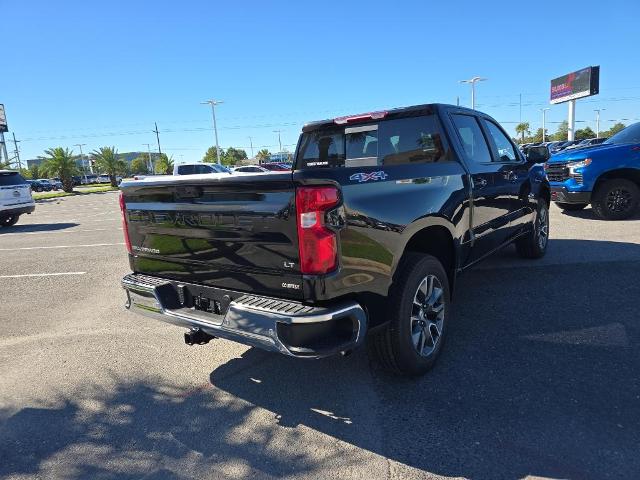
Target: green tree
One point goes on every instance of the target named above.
(613, 130)
(108, 162)
(584, 133)
(233, 155)
(60, 162)
(211, 156)
(523, 129)
(562, 132)
(263, 154)
(537, 137)
(164, 165)
(35, 171)
(140, 165)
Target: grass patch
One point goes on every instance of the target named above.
(46, 195)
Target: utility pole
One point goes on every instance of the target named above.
(598, 110)
(213, 104)
(544, 115)
(84, 168)
(473, 82)
(150, 166)
(158, 139)
(16, 150)
(279, 140)
(251, 143)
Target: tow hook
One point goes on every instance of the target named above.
(196, 336)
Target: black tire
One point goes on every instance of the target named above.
(572, 207)
(393, 346)
(616, 199)
(534, 243)
(9, 221)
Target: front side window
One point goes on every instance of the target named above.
(503, 150)
(631, 134)
(472, 138)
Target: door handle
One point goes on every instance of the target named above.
(511, 176)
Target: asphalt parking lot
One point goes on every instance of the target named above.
(539, 379)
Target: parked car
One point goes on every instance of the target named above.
(251, 169)
(367, 234)
(277, 166)
(56, 183)
(605, 175)
(15, 198)
(587, 143)
(199, 168)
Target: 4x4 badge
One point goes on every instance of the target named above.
(365, 177)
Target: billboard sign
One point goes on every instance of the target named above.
(3, 120)
(583, 83)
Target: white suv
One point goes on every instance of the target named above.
(15, 197)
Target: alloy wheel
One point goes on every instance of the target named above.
(427, 315)
(542, 228)
(619, 200)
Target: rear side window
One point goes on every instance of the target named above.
(472, 138)
(11, 178)
(391, 142)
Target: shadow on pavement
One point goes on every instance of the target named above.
(539, 377)
(587, 214)
(38, 227)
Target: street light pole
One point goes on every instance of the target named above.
(213, 104)
(544, 115)
(279, 140)
(84, 169)
(598, 110)
(150, 165)
(251, 143)
(473, 82)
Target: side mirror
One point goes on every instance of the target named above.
(539, 154)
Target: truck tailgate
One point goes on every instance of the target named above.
(237, 232)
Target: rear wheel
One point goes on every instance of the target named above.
(572, 207)
(616, 199)
(9, 221)
(534, 244)
(419, 305)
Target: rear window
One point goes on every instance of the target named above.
(11, 178)
(391, 142)
(199, 169)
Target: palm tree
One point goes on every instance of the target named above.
(164, 165)
(108, 162)
(523, 128)
(263, 154)
(60, 162)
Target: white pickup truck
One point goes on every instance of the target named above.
(15, 197)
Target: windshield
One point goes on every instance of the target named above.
(631, 134)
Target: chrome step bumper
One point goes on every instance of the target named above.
(262, 322)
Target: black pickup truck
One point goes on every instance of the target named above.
(365, 236)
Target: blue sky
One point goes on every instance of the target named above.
(101, 73)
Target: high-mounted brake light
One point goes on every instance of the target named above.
(125, 227)
(317, 243)
(360, 117)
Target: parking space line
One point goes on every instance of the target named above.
(61, 246)
(61, 231)
(57, 274)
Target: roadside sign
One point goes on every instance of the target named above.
(578, 84)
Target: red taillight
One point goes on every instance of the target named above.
(317, 243)
(360, 117)
(125, 227)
